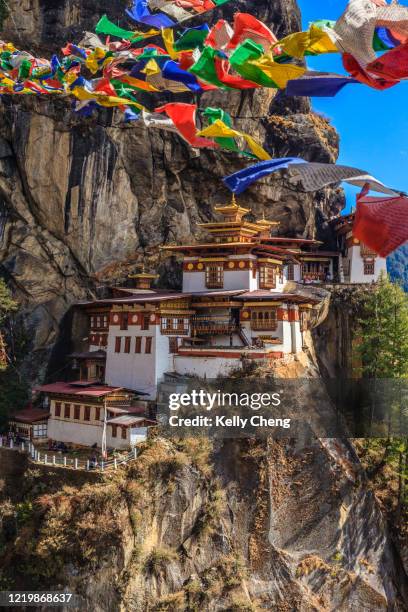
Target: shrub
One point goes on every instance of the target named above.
(158, 560)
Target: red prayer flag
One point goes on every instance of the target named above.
(184, 118)
(222, 68)
(381, 223)
(391, 65)
(355, 70)
(247, 26)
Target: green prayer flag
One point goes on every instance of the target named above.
(105, 26)
(24, 70)
(213, 114)
(191, 39)
(204, 68)
(241, 61)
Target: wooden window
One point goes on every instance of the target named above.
(127, 344)
(92, 321)
(214, 276)
(369, 268)
(118, 342)
(114, 431)
(105, 320)
(77, 412)
(138, 344)
(87, 413)
(173, 346)
(148, 346)
(124, 321)
(58, 409)
(145, 321)
(171, 325)
(291, 272)
(97, 413)
(264, 320)
(124, 433)
(67, 411)
(267, 277)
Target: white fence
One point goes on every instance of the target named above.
(66, 461)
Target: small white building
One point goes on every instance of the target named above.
(358, 263)
(94, 414)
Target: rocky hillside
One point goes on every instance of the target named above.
(85, 200)
(237, 527)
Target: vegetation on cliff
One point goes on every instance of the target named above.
(13, 342)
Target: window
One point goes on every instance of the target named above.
(173, 346)
(127, 344)
(267, 277)
(87, 413)
(369, 267)
(40, 430)
(58, 409)
(97, 413)
(67, 411)
(264, 320)
(145, 321)
(124, 322)
(118, 342)
(114, 431)
(138, 344)
(124, 433)
(77, 412)
(171, 325)
(214, 276)
(105, 320)
(291, 272)
(92, 321)
(148, 346)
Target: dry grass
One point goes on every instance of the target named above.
(158, 559)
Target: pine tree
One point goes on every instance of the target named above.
(384, 332)
(384, 355)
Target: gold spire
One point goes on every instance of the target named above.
(232, 212)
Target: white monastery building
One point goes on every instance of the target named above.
(241, 301)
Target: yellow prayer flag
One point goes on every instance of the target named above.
(220, 130)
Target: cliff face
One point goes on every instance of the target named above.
(85, 200)
(242, 526)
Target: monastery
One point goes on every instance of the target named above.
(241, 301)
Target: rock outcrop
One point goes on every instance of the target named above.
(239, 526)
(85, 200)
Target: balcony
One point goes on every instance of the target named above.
(213, 325)
(264, 325)
(178, 330)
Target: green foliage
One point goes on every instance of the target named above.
(158, 560)
(7, 304)
(384, 331)
(14, 389)
(3, 13)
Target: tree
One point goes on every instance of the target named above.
(383, 349)
(7, 306)
(384, 332)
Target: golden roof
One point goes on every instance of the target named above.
(233, 209)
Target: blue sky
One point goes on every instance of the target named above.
(373, 125)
